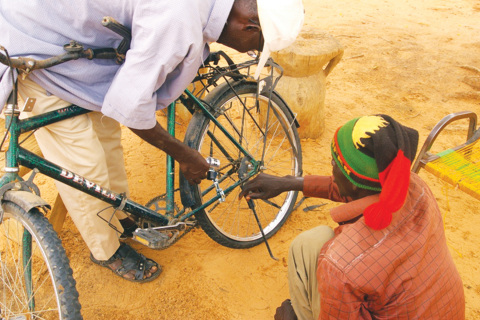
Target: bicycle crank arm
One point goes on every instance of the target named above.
(177, 226)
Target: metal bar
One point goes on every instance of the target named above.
(47, 118)
(420, 160)
(7, 178)
(11, 123)
(169, 197)
(214, 120)
(219, 146)
(245, 108)
(215, 198)
(30, 160)
(222, 178)
(251, 205)
(27, 267)
(29, 64)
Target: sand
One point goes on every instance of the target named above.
(413, 60)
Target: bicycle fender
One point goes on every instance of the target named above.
(186, 192)
(25, 200)
(186, 189)
(291, 112)
(266, 90)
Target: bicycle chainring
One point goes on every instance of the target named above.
(162, 239)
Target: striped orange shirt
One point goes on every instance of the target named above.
(404, 271)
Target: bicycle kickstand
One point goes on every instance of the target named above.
(251, 205)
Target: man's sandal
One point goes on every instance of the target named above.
(131, 260)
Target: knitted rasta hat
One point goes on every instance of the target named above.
(375, 153)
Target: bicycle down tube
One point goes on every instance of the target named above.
(17, 155)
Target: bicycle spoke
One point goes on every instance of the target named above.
(16, 302)
(266, 133)
(15, 280)
(271, 203)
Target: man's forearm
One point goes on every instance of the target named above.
(321, 187)
(192, 164)
(160, 138)
(292, 183)
(266, 186)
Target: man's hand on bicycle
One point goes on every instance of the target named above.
(192, 164)
(265, 186)
(194, 167)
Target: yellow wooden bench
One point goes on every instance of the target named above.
(459, 165)
(59, 211)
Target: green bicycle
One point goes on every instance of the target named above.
(243, 127)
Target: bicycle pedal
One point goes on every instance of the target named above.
(155, 239)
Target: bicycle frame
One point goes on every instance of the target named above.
(170, 220)
(16, 155)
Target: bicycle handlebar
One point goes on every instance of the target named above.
(120, 29)
(75, 51)
(28, 64)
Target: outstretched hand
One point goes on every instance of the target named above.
(265, 186)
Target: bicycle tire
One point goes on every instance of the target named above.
(53, 286)
(232, 223)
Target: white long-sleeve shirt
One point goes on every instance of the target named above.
(169, 42)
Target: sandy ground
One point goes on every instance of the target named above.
(403, 58)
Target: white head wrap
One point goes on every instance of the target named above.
(281, 21)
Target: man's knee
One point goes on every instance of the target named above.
(313, 239)
(308, 244)
(302, 266)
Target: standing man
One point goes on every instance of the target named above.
(170, 40)
(388, 258)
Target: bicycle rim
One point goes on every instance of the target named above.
(270, 136)
(36, 279)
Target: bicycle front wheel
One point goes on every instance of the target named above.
(269, 135)
(36, 278)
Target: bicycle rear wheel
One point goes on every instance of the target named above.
(36, 278)
(270, 136)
